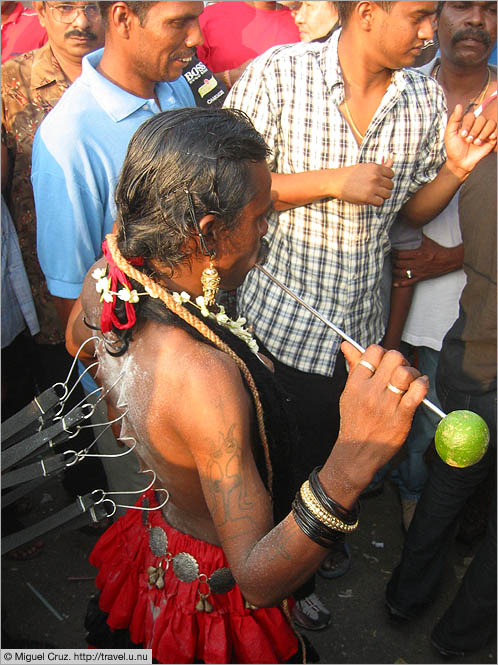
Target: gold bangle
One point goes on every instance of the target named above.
(226, 77)
(326, 518)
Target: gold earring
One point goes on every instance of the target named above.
(210, 281)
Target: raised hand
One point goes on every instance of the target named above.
(467, 140)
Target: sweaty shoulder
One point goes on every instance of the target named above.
(198, 368)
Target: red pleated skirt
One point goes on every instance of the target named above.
(166, 620)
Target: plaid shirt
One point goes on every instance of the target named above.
(331, 252)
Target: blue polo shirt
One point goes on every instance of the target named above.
(78, 152)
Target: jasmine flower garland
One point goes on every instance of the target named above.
(103, 286)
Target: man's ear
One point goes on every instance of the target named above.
(365, 13)
(121, 17)
(41, 11)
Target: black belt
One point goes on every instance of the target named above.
(54, 434)
(18, 492)
(32, 417)
(79, 512)
(44, 467)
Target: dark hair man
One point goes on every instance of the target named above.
(466, 379)
(79, 149)
(32, 84)
(355, 138)
(466, 35)
(199, 574)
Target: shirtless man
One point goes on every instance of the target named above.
(194, 193)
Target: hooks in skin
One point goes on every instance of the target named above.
(115, 505)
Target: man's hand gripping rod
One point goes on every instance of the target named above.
(263, 253)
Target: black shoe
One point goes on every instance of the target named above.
(395, 614)
(446, 652)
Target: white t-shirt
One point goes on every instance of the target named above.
(434, 307)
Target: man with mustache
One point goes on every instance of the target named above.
(356, 136)
(466, 359)
(32, 84)
(466, 35)
(79, 149)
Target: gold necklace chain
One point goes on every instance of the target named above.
(349, 117)
(352, 122)
(480, 95)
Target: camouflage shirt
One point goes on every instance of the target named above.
(32, 84)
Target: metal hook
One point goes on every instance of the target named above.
(104, 499)
(76, 357)
(108, 423)
(80, 455)
(64, 386)
(140, 491)
(104, 394)
(121, 505)
(84, 400)
(80, 378)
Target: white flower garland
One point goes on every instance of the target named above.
(236, 327)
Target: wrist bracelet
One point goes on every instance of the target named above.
(226, 77)
(326, 517)
(347, 516)
(311, 527)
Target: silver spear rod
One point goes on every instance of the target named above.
(262, 258)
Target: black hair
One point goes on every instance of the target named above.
(141, 9)
(346, 9)
(176, 158)
(205, 152)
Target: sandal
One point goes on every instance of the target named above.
(336, 564)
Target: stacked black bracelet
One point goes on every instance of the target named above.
(348, 516)
(311, 526)
(318, 516)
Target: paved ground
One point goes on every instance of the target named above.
(361, 631)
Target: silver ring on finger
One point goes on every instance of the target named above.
(409, 273)
(395, 390)
(368, 365)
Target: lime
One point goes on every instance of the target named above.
(462, 438)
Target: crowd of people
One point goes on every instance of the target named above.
(145, 155)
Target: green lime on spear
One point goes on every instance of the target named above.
(461, 438)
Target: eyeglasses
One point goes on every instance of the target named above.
(69, 13)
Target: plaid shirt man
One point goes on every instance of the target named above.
(331, 252)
